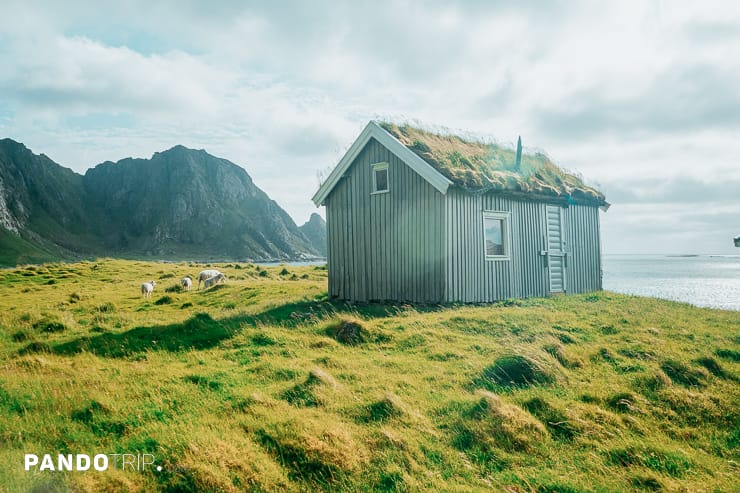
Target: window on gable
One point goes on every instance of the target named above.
(380, 178)
(496, 235)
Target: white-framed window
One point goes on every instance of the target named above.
(496, 235)
(380, 178)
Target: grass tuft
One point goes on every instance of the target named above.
(49, 325)
(107, 307)
(657, 381)
(88, 412)
(390, 406)
(714, 367)
(514, 371)
(682, 374)
(558, 352)
(556, 422)
(674, 464)
(204, 382)
(623, 402)
(646, 483)
(728, 354)
(35, 347)
(262, 339)
(349, 331)
(308, 393)
(492, 424)
(22, 336)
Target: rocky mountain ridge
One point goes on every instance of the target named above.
(180, 204)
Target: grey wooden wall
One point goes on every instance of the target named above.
(582, 233)
(471, 278)
(387, 246)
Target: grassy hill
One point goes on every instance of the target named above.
(262, 384)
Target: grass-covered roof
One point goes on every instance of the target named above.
(481, 166)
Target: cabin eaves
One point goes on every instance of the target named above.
(375, 131)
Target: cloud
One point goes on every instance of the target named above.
(639, 97)
(684, 99)
(677, 190)
(81, 75)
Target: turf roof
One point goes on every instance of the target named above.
(483, 167)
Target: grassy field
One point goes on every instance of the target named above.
(262, 384)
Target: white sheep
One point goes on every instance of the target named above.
(186, 283)
(214, 280)
(206, 274)
(147, 288)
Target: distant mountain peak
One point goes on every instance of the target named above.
(315, 230)
(179, 148)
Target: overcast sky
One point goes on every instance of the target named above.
(642, 98)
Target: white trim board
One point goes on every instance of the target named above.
(375, 131)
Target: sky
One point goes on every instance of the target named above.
(641, 98)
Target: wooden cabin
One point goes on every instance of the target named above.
(428, 217)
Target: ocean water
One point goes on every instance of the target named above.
(705, 280)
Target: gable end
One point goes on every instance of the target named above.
(375, 131)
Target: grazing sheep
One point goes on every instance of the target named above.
(186, 283)
(147, 288)
(214, 280)
(205, 274)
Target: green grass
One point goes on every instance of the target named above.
(265, 385)
(14, 249)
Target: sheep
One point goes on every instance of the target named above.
(186, 283)
(205, 274)
(147, 288)
(214, 280)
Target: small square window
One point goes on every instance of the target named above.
(380, 178)
(496, 235)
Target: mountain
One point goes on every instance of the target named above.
(184, 201)
(181, 203)
(315, 230)
(42, 209)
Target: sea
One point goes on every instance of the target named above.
(703, 280)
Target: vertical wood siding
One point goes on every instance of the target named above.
(473, 279)
(387, 246)
(584, 248)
